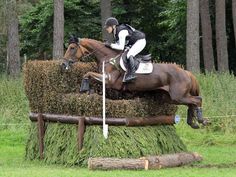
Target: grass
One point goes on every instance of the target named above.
(13, 103)
(217, 143)
(12, 163)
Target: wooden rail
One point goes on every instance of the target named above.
(82, 121)
(67, 119)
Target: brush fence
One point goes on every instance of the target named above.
(66, 126)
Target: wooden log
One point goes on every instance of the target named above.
(117, 163)
(166, 120)
(41, 134)
(159, 120)
(109, 121)
(172, 160)
(81, 130)
(56, 118)
(150, 162)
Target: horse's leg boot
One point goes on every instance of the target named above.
(84, 85)
(199, 115)
(190, 120)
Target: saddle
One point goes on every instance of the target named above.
(143, 63)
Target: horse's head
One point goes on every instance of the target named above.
(83, 48)
(74, 52)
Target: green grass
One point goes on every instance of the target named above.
(216, 143)
(12, 163)
(13, 103)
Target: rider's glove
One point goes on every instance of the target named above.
(107, 44)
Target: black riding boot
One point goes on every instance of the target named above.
(130, 74)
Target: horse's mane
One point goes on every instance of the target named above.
(98, 45)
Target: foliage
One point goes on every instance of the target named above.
(145, 16)
(174, 21)
(36, 26)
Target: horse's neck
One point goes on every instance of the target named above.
(99, 50)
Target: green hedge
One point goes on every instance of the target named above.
(50, 90)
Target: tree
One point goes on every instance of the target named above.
(206, 36)
(13, 54)
(58, 29)
(221, 39)
(234, 17)
(192, 53)
(105, 6)
(36, 39)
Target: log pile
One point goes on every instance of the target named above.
(150, 162)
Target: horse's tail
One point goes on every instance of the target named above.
(195, 89)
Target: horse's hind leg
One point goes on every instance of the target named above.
(196, 106)
(194, 103)
(198, 109)
(191, 117)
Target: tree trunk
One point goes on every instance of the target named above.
(206, 36)
(234, 18)
(192, 53)
(221, 39)
(2, 17)
(58, 29)
(13, 52)
(105, 6)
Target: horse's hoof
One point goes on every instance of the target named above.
(195, 126)
(84, 85)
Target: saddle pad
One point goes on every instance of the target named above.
(144, 68)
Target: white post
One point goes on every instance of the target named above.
(25, 58)
(105, 126)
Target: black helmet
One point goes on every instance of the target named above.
(110, 22)
(73, 39)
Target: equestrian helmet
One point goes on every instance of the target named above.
(110, 22)
(73, 39)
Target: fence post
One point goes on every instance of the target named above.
(81, 130)
(41, 134)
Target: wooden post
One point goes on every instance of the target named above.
(81, 130)
(41, 134)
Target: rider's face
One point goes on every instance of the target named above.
(109, 29)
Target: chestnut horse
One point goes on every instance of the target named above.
(181, 84)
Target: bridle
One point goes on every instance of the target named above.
(68, 62)
(85, 56)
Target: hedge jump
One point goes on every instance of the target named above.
(83, 121)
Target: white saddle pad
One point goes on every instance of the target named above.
(144, 68)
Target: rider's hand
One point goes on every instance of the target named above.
(107, 44)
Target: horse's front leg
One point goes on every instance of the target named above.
(85, 82)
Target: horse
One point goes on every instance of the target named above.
(180, 84)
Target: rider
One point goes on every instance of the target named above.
(126, 36)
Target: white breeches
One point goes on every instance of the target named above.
(136, 48)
